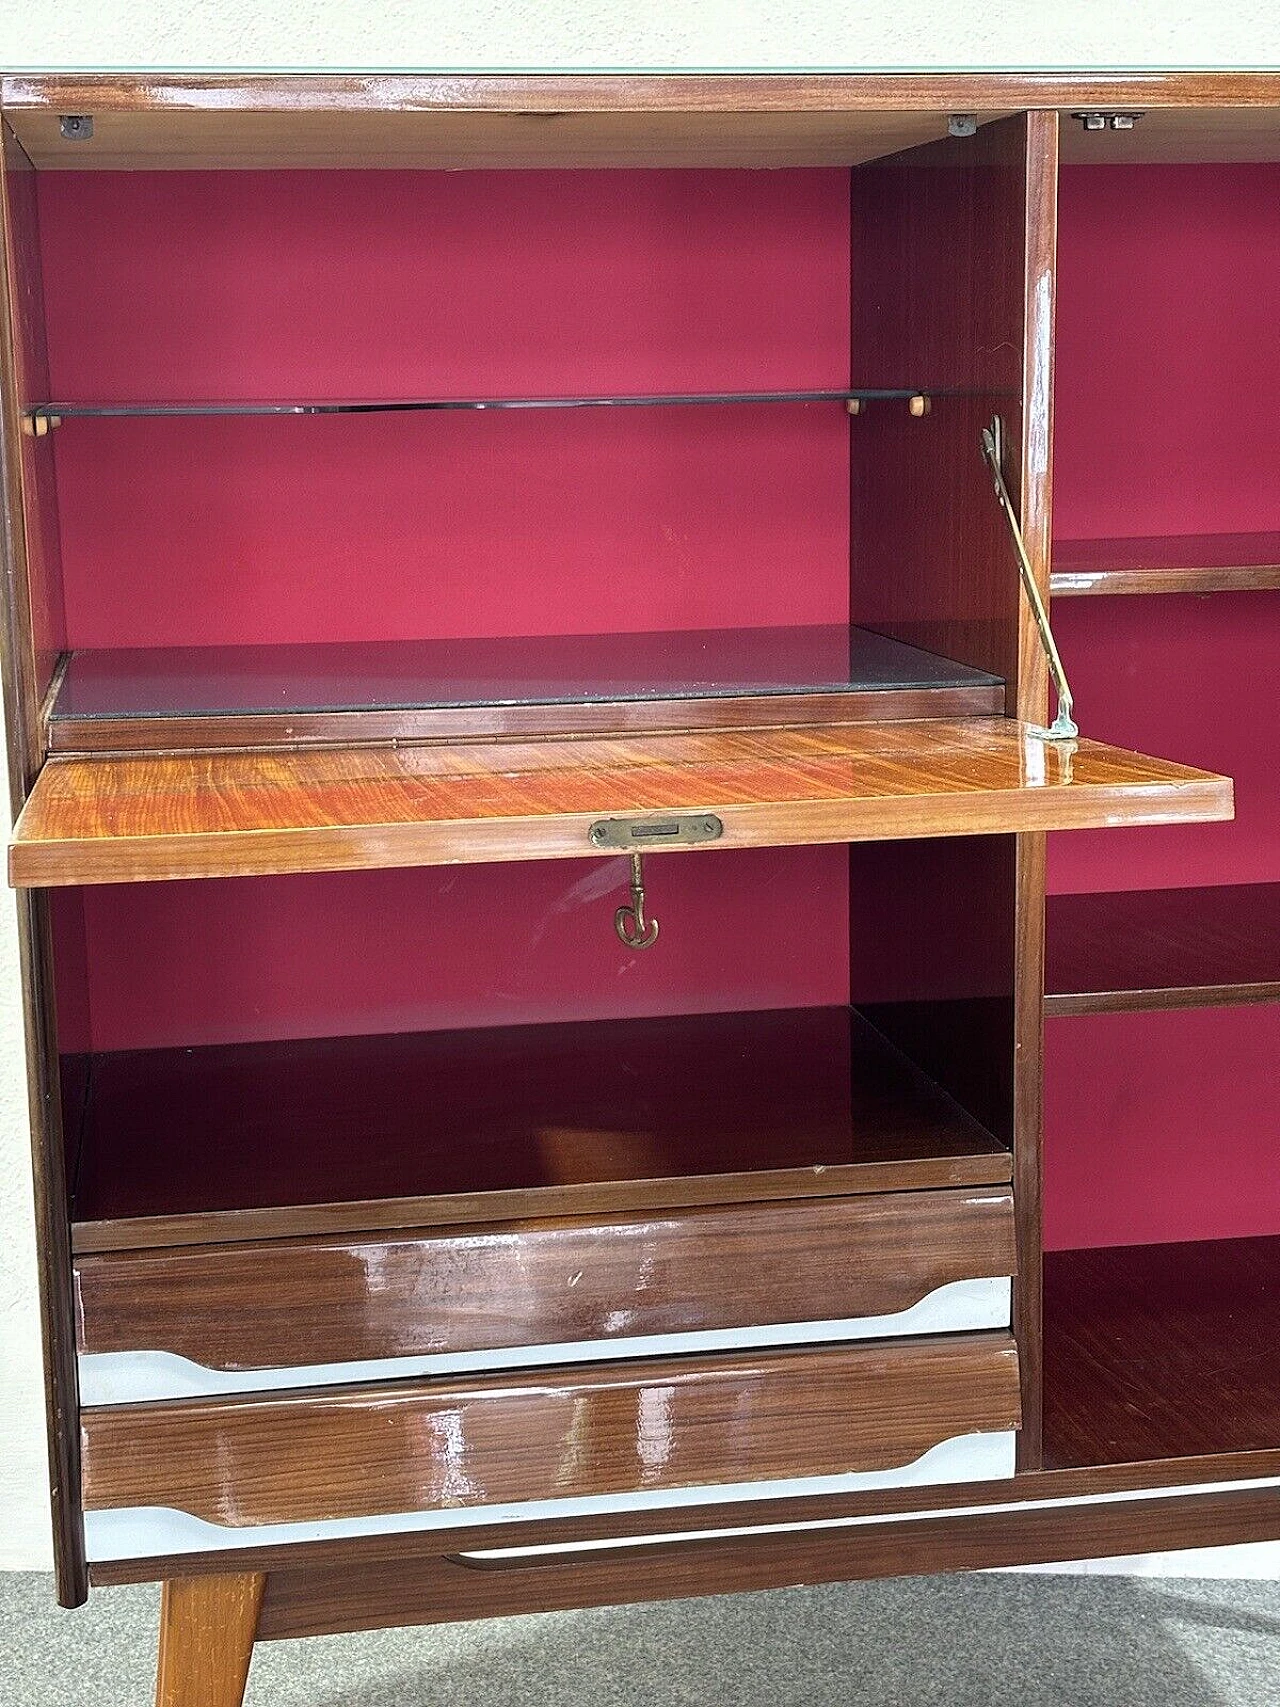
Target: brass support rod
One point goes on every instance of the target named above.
(1064, 726)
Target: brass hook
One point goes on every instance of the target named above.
(634, 930)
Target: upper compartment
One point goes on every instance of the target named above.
(758, 562)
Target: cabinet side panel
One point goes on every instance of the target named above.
(37, 589)
(28, 644)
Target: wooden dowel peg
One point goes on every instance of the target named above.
(919, 406)
(39, 426)
(854, 405)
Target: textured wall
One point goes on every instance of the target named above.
(617, 34)
(496, 35)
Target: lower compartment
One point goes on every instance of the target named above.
(291, 1467)
(1161, 1352)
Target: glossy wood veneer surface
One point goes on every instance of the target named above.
(1163, 948)
(1175, 563)
(311, 1600)
(30, 572)
(955, 926)
(610, 1429)
(131, 819)
(1162, 1351)
(1071, 1487)
(542, 1283)
(249, 1141)
(185, 121)
(207, 1631)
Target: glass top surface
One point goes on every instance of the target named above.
(406, 675)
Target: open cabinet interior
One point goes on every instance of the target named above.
(538, 755)
(426, 1047)
(1162, 1211)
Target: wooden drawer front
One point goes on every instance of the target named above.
(617, 1428)
(333, 1301)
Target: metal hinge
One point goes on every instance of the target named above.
(1064, 726)
(647, 833)
(1106, 121)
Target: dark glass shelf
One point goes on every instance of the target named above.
(217, 681)
(1162, 948)
(412, 405)
(1161, 1351)
(488, 1123)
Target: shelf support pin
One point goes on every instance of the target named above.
(634, 930)
(38, 426)
(1064, 726)
(919, 406)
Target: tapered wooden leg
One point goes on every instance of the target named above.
(207, 1628)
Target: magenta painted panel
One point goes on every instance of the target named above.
(387, 527)
(402, 284)
(249, 958)
(1189, 678)
(329, 285)
(1168, 359)
(1161, 1126)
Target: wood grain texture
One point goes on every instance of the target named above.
(1162, 1351)
(38, 609)
(451, 139)
(1035, 508)
(305, 1601)
(25, 640)
(1028, 1147)
(930, 556)
(1142, 949)
(542, 1283)
(331, 1135)
(658, 1423)
(72, 734)
(191, 121)
(946, 936)
(207, 1631)
(1183, 1474)
(132, 819)
(186, 121)
(627, 92)
(1172, 563)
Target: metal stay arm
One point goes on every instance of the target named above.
(1064, 726)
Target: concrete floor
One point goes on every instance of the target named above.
(978, 1641)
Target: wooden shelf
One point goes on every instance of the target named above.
(615, 122)
(139, 818)
(1161, 1351)
(1172, 563)
(1162, 948)
(268, 1139)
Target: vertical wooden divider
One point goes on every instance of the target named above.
(953, 286)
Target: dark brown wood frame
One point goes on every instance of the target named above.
(408, 1578)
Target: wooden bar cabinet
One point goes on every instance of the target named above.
(528, 675)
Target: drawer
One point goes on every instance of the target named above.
(654, 1427)
(168, 1322)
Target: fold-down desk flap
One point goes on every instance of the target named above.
(146, 817)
